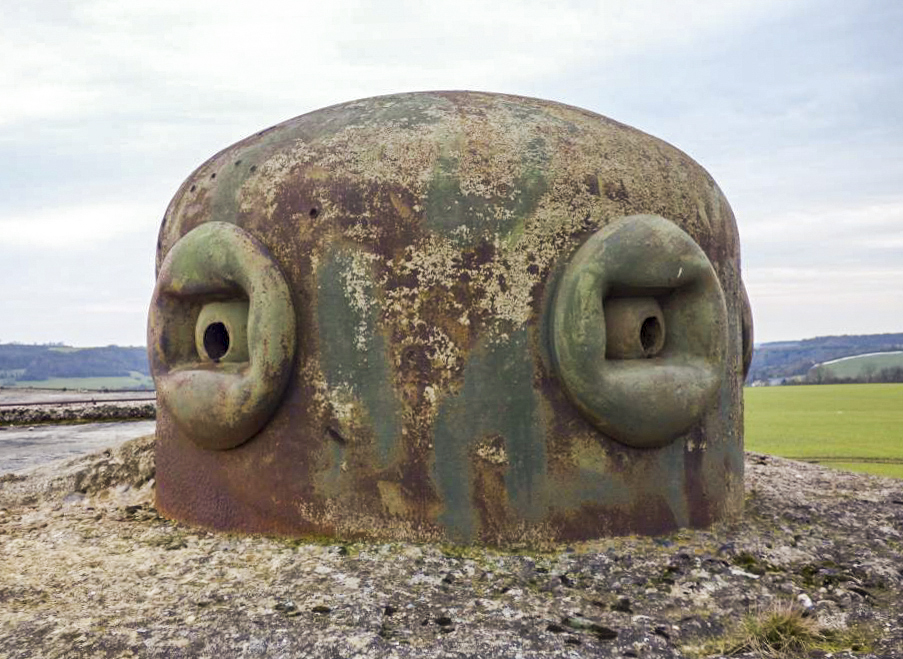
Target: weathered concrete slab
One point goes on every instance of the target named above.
(100, 574)
(24, 447)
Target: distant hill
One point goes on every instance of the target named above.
(872, 367)
(36, 363)
(786, 359)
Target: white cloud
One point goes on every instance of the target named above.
(76, 227)
(889, 243)
(867, 238)
(106, 105)
(822, 284)
(794, 304)
(279, 51)
(826, 270)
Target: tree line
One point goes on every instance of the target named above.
(870, 374)
(34, 362)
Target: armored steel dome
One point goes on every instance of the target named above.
(449, 316)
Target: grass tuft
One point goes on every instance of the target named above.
(779, 632)
(782, 632)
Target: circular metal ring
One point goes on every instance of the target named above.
(647, 401)
(220, 404)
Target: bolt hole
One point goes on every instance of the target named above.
(314, 212)
(651, 336)
(237, 163)
(216, 341)
(213, 175)
(193, 188)
(253, 168)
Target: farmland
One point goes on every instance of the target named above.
(134, 380)
(858, 427)
(861, 366)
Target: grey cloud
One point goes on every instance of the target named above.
(793, 107)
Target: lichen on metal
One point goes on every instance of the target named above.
(449, 316)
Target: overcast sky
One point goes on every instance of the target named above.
(795, 108)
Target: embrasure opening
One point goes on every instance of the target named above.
(651, 336)
(216, 341)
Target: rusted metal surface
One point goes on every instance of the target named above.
(436, 383)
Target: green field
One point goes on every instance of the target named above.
(135, 381)
(858, 427)
(862, 366)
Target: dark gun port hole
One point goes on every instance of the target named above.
(651, 336)
(216, 341)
